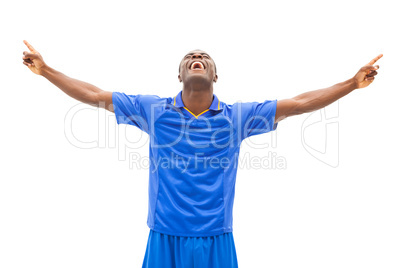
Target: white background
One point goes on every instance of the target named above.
(65, 206)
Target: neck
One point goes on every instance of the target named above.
(197, 100)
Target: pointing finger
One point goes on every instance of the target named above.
(29, 46)
(375, 60)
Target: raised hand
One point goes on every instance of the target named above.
(365, 76)
(33, 59)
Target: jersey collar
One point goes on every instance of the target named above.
(215, 105)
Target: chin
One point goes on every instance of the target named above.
(199, 79)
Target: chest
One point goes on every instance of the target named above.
(209, 134)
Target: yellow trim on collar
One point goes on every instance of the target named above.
(196, 116)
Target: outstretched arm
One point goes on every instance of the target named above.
(77, 89)
(317, 99)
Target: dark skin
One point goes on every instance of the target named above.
(197, 94)
(79, 90)
(198, 82)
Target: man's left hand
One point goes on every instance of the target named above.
(365, 76)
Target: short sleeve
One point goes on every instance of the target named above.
(134, 110)
(257, 117)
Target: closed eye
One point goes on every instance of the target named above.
(204, 55)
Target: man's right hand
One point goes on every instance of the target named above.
(79, 90)
(33, 59)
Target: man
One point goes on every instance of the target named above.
(194, 142)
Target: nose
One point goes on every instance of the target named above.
(197, 56)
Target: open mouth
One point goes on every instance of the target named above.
(197, 65)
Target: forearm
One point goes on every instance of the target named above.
(76, 89)
(317, 99)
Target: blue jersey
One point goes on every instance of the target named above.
(193, 158)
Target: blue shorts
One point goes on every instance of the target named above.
(168, 251)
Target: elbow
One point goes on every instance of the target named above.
(303, 106)
(102, 99)
(299, 107)
(91, 99)
(291, 107)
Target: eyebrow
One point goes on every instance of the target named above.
(189, 54)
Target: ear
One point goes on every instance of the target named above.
(179, 78)
(216, 78)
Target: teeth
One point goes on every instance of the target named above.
(200, 63)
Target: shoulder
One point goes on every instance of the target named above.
(143, 99)
(246, 105)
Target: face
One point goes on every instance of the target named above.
(197, 67)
